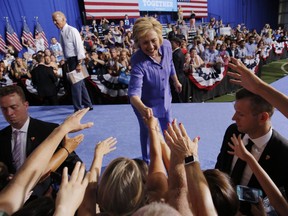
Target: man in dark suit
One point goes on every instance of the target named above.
(233, 50)
(44, 79)
(253, 120)
(179, 60)
(32, 131)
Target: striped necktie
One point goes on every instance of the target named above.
(16, 153)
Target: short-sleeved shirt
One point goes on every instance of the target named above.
(150, 80)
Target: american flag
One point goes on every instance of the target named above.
(39, 30)
(2, 45)
(12, 37)
(111, 9)
(200, 7)
(26, 33)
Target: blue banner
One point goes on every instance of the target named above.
(158, 5)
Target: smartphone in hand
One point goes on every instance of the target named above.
(248, 194)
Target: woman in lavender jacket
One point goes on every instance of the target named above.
(152, 67)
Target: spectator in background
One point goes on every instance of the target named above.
(105, 25)
(233, 50)
(223, 53)
(251, 47)
(117, 34)
(94, 28)
(31, 49)
(180, 14)
(44, 80)
(39, 42)
(95, 65)
(127, 23)
(56, 48)
(173, 32)
(184, 29)
(179, 60)
(242, 50)
(20, 69)
(210, 55)
(192, 21)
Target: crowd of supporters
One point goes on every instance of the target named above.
(109, 47)
(173, 182)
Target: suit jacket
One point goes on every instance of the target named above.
(37, 132)
(44, 80)
(236, 53)
(274, 159)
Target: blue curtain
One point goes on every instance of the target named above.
(42, 9)
(253, 13)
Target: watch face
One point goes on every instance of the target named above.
(189, 159)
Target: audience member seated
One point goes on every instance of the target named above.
(251, 48)
(223, 53)
(194, 63)
(39, 42)
(31, 49)
(210, 55)
(117, 35)
(242, 50)
(20, 70)
(56, 49)
(233, 50)
(95, 65)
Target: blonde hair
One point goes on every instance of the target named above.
(121, 189)
(143, 25)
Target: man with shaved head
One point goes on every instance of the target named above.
(74, 54)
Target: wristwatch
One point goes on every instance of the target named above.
(190, 159)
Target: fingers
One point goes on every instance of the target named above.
(183, 130)
(87, 125)
(81, 173)
(171, 132)
(168, 139)
(75, 172)
(79, 138)
(64, 176)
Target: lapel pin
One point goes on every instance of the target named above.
(32, 138)
(267, 157)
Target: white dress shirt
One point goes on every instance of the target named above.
(71, 42)
(23, 138)
(257, 150)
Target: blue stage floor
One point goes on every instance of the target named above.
(207, 120)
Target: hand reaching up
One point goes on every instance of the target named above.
(179, 142)
(238, 148)
(73, 124)
(71, 191)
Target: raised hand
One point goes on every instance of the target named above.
(238, 148)
(71, 143)
(106, 146)
(179, 142)
(72, 123)
(71, 191)
(243, 76)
